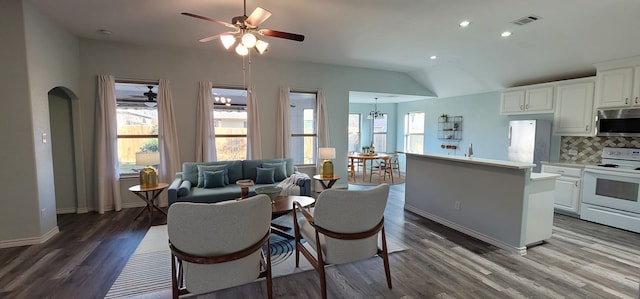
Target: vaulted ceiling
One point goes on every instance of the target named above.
(401, 35)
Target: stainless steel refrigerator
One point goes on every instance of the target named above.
(529, 141)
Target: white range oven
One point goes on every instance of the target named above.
(611, 190)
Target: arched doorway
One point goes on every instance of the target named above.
(66, 151)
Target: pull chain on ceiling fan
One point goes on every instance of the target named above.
(245, 28)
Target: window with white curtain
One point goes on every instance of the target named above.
(230, 122)
(354, 132)
(303, 127)
(137, 123)
(414, 132)
(380, 133)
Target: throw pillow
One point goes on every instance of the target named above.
(214, 179)
(184, 188)
(203, 168)
(281, 170)
(265, 175)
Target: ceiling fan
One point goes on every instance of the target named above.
(149, 95)
(246, 28)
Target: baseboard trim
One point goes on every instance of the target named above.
(30, 241)
(66, 211)
(468, 231)
(127, 205)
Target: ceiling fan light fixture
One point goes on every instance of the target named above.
(241, 49)
(227, 41)
(261, 46)
(249, 40)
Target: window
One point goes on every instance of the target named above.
(137, 123)
(230, 122)
(354, 132)
(302, 125)
(380, 133)
(414, 132)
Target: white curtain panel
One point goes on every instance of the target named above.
(167, 137)
(283, 132)
(323, 132)
(107, 169)
(205, 132)
(254, 141)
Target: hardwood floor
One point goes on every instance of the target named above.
(581, 260)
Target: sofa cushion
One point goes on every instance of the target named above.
(265, 175)
(249, 167)
(184, 188)
(214, 179)
(280, 170)
(203, 168)
(190, 170)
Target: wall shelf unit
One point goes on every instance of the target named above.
(450, 132)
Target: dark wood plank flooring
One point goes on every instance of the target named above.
(581, 260)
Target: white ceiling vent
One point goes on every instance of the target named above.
(526, 20)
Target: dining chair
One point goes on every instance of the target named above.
(344, 227)
(218, 246)
(394, 165)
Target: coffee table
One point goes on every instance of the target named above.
(283, 205)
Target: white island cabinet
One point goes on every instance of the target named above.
(499, 202)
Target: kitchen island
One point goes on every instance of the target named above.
(500, 202)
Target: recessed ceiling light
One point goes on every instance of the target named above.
(505, 34)
(464, 24)
(433, 57)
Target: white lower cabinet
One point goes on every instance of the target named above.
(568, 194)
(568, 188)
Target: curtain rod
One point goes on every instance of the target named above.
(137, 81)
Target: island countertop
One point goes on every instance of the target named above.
(480, 161)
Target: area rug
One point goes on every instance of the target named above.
(375, 179)
(147, 274)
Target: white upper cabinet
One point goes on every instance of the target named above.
(574, 108)
(615, 88)
(618, 83)
(512, 101)
(527, 100)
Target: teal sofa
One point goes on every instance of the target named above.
(185, 187)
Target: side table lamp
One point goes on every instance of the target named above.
(148, 175)
(326, 153)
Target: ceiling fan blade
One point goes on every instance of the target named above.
(280, 34)
(214, 37)
(208, 19)
(258, 16)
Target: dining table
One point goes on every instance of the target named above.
(364, 157)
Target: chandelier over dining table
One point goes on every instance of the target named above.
(375, 114)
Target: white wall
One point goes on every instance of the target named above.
(483, 126)
(52, 61)
(36, 56)
(18, 180)
(185, 67)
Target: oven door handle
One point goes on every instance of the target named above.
(606, 172)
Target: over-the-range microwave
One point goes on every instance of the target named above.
(618, 122)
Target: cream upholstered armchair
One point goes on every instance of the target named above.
(217, 246)
(344, 228)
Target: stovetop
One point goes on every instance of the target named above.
(622, 159)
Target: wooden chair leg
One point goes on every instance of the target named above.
(269, 279)
(385, 259)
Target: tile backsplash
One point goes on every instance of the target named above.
(590, 148)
